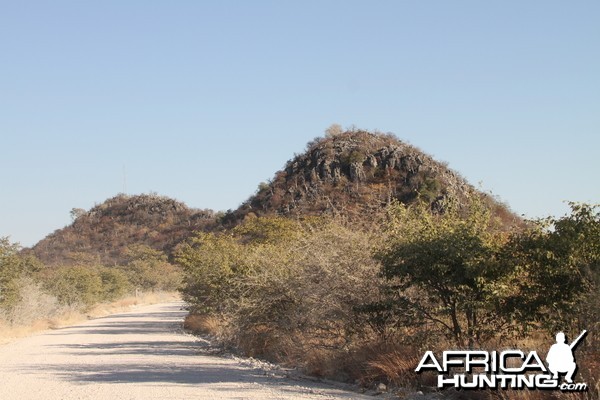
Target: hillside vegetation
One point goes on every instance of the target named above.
(104, 233)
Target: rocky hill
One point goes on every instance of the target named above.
(355, 174)
(352, 174)
(104, 233)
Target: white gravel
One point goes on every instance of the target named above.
(140, 355)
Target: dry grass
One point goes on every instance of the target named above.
(66, 316)
(202, 324)
(394, 364)
(391, 363)
(127, 303)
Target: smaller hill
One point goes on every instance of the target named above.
(103, 234)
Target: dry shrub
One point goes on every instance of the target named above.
(34, 304)
(589, 370)
(387, 362)
(297, 304)
(321, 363)
(127, 302)
(67, 315)
(11, 332)
(369, 363)
(35, 311)
(39, 311)
(264, 341)
(396, 366)
(203, 324)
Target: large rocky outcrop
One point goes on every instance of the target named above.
(356, 174)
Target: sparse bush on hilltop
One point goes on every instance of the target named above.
(334, 130)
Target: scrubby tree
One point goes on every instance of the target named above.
(114, 283)
(558, 270)
(302, 295)
(443, 268)
(214, 262)
(76, 213)
(11, 267)
(334, 130)
(210, 261)
(149, 269)
(77, 286)
(474, 280)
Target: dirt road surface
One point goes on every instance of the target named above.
(139, 355)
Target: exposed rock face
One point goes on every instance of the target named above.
(355, 173)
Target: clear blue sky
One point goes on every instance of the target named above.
(202, 100)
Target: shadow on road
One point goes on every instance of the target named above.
(128, 356)
(192, 374)
(154, 348)
(149, 348)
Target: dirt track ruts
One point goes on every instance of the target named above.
(141, 354)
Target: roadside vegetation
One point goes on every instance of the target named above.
(36, 296)
(363, 304)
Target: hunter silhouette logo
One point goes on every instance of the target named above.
(560, 357)
(507, 369)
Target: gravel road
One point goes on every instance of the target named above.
(139, 355)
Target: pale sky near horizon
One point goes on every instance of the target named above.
(203, 100)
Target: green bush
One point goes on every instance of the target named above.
(13, 267)
(10, 270)
(114, 284)
(77, 286)
(443, 269)
(465, 274)
(149, 269)
(558, 270)
(353, 156)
